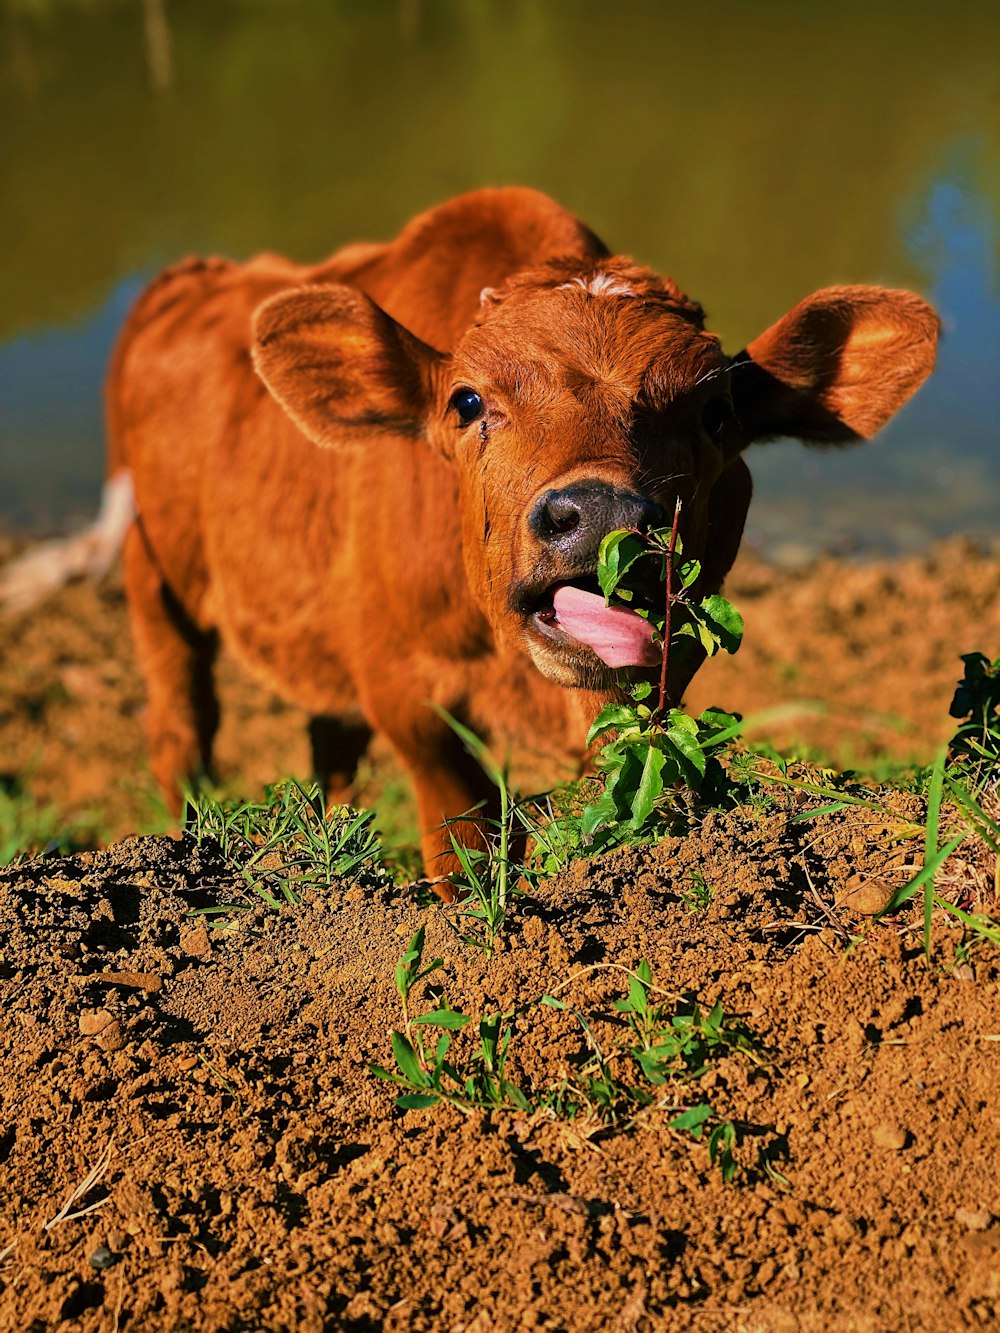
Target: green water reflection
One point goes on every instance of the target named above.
(755, 150)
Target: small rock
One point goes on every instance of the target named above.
(103, 1258)
(112, 1037)
(187, 1062)
(973, 1219)
(195, 940)
(147, 981)
(890, 1136)
(94, 1021)
(865, 896)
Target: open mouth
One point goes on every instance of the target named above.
(575, 614)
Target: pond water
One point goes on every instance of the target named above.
(755, 151)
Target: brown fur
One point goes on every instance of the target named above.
(391, 566)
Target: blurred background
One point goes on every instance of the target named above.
(756, 151)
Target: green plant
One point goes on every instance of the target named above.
(552, 824)
(974, 821)
(657, 749)
(489, 875)
(961, 788)
(685, 1039)
(697, 895)
(427, 1074)
(667, 1048)
(288, 842)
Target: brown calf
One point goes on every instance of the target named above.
(491, 393)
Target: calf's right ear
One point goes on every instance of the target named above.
(341, 367)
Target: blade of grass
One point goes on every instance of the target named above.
(982, 925)
(904, 894)
(935, 792)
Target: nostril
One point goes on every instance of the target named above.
(562, 515)
(555, 514)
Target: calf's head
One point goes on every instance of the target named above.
(587, 396)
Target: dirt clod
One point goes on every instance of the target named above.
(94, 1021)
(890, 1136)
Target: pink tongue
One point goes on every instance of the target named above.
(618, 637)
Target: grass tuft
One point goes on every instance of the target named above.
(288, 842)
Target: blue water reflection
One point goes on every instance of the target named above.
(51, 416)
(935, 469)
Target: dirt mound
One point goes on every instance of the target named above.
(246, 1170)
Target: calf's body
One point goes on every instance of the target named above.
(358, 474)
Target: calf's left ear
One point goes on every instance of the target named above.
(836, 367)
(341, 367)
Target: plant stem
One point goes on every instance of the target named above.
(668, 609)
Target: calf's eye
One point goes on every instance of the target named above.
(468, 404)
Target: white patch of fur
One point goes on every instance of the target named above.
(601, 284)
(486, 294)
(89, 554)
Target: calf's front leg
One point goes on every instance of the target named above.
(448, 784)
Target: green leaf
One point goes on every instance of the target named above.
(514, 1095)
(677, 718)
(693, 1119)
(616, 555)
(553, 1003)
(612, 717)
(982, 925)
(715, 726)
(489, 1035)
(440, 1051)
(443, 1018)
(603, 811)
(833, 808)
(720, 1143)
(379, 1072)
(415, 1101)
(477, 748)
(650, 788)
(688, 755)
(636, 1002)
(408, 1060)
(724, 620)
(689, 572)
(713, 1019)
(405, 969)
(654, 1065)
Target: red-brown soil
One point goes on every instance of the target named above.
(255, 1175)
(251, 1173)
